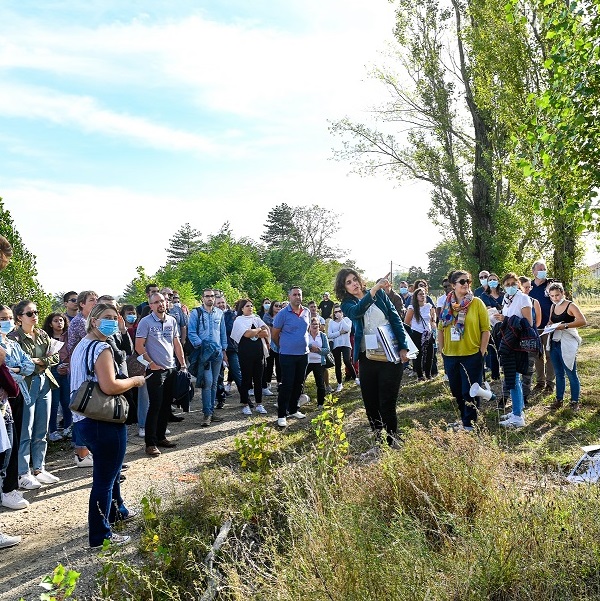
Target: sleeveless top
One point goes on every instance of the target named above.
(564, 316)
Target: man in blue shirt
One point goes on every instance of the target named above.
(206, 331)
(290, 334)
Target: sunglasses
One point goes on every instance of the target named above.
(30, 313)
(73, 300)
(337, 311)
(277, 306)
(463, 281)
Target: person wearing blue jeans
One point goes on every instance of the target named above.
(207, 324)
(93, 359)
(560, 369)
(60, 398)
(463, 372)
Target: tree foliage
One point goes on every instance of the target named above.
(309, 229)
(19, 280)
(184, 243)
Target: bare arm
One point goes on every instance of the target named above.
(580, 320)
(409, 315)
(105, 372)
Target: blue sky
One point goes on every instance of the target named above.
(121, 121)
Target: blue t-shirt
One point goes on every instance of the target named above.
(293, 338)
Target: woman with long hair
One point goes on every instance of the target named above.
(338, 334)
(370, 309)
(253, 337)
(272, 365)
(56, 326)
(420, 316)
(463, 336)
(36, 413)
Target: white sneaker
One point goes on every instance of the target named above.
(298, 415)
(29, 482)
(87, 461)
(115, 539)
(167, 431)
(303, 399)
(67, 432)
(55, 436)
(357, 382)
(14, 500)
(506, 416)
(142, 432)
(251, 392)
(260, 409)
(267, 392)
(46, 477)
(8, 541)
(515, 421)
(339, 388)
(246, 410)
(282, 422)
(227, 387)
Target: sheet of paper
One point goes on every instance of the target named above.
(55, 346)
(371, 341)
(551, 327)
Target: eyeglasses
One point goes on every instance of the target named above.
(337, 311)
(72, 300)
(463, 281)
(30, 313)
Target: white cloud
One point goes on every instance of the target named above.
(87, 114)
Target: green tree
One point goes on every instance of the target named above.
(437, 128)
(184, 242)
(19, 280)
(280, 228)
(443, 258)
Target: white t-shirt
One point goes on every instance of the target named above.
(441, 300)
(425, 322)
(514, 306)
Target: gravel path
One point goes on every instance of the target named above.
(54, 526)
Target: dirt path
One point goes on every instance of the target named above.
(54, 526)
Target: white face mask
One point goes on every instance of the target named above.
(560, 302)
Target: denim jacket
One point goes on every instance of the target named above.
(16, 357)
(355, 310)
(207, 326)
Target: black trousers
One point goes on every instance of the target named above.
(11, 480)
(293, 372)
(160, 392)
(343, 353)
(272, 363)
(318, 369)
(380, 384)
(252, 364)
(422, 364)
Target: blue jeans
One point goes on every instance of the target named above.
(559, 370)
(463, 372)
(60, 396)
(293, 373)
(107, 442)
(516, 395)
(234, 368)
(143, 404)
(34, 428)
(209, 387)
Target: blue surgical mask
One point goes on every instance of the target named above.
(403, 290)
(130, 318)
(511, 290)
(483, 282)
(493, 283)
(266, 306)
(542, 275)
(108, 327)
(6, 326)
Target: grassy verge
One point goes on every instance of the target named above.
(449, 516)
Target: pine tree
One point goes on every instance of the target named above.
(184, 243)
(19, 280)
(281, 230)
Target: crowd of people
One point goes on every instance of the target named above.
(511, 327)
